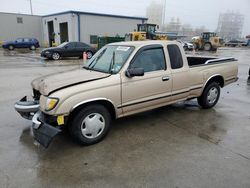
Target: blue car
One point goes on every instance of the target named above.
(30, 43)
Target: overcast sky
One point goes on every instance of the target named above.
(194, 12)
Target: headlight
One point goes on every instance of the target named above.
(46, 52)
(51, 103)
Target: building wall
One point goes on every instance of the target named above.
(57, 19)
(31, 26)
(105, 26)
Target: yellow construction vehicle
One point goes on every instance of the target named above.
(145, 32)
(207, 41)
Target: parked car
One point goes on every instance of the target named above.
(186, 45)
(30, 43)
(236, 43)
(122, 79)
(68, 49)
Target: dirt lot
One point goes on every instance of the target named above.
(175, 146)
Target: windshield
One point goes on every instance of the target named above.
(109, 59)
(62, 45)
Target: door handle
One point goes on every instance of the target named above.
(165, 78)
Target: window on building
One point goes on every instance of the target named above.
(175, 56)
(150, 60)
(19, 20)
(93, 39)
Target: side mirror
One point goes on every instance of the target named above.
(134, 72)
(65, 47)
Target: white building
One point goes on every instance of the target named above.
(66, 26)
(230, 25)
(14, 26)
(155, 13)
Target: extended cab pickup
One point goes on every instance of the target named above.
(122, 79)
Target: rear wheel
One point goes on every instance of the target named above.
(11, 47)
(55, 56)
(89, 54)
(210, 95)
(90, 125)
(32, 47)
(207, 47)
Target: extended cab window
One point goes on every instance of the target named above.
(150, 60)
(175, 56)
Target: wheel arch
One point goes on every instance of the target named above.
(101, 101)
(215, 78)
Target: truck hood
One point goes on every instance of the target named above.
(53, 82)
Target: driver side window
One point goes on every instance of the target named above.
(71, 45)
(150, 60)
(19, 40)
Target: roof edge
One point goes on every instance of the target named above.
(23, 14)
(95, 14)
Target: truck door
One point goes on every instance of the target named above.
(180, 72)
(151, 90)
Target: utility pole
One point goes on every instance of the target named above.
(31, 11)
(164, 12)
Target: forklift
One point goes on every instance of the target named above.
(145, 32)
(208, 41)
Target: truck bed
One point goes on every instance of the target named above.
(194, 61)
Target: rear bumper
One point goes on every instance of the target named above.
(43, 131)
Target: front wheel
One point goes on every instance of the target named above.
(207, 47)
(55, 56)
(210, 95)
(90, 125)
(196, 46)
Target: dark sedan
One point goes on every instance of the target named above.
(68, 49)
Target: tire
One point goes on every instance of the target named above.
(11, 47)
(207, 47)
(210, 95)
(32, 47)
(55, 56)
(89, 54)
(90, 125)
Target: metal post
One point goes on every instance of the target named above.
(164, 12)
(31, 11)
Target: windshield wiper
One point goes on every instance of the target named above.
(92, 64)
(112, 63)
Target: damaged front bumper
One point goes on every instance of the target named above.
(43, 132)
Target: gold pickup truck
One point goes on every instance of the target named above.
(122, 79)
